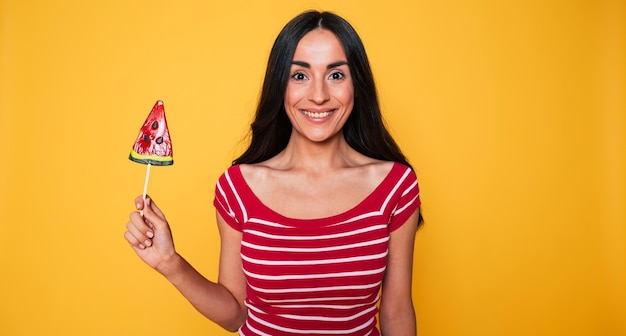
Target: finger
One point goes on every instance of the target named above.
(140, 228)
(139, 236)
(132, 240)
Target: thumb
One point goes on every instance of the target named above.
(154, 207)
(139, 202)
(153, 214)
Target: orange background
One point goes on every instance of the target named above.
(513, 114)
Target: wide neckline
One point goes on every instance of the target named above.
(319, 220)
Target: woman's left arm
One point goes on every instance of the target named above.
(397, 315)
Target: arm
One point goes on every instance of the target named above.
(221, 302)
(397, 315)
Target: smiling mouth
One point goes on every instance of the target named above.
(317, 115)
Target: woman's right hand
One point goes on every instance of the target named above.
(150, 235)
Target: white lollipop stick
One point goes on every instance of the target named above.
(145, 187)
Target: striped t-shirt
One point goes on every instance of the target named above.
(315, 276)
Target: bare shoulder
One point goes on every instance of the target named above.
(372, 174)
(377, 169)
(258, 173)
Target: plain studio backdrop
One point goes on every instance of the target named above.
(512, 112)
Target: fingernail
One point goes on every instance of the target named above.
(141, 246)
(148, 242)
(149, 234)
(138, 205)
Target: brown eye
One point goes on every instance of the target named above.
(337, 75)
(298, 76)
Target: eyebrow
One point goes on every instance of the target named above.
(330, 66)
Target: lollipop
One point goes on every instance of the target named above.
(153, 145)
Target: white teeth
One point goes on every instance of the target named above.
(316, 115)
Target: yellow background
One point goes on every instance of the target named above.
(512, 112)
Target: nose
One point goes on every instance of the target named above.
(319, 92)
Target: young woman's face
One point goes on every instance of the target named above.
(320, 95)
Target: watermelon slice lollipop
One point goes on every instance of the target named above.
(153, 145)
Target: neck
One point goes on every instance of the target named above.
(302, 154)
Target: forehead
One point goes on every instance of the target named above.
(321, 44)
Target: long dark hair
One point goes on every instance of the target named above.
(364, 130)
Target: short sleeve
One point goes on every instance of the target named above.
(408, 200)
(225, 200)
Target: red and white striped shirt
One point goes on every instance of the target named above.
(315, 276)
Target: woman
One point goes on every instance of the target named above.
(317, 218)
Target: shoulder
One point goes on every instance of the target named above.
(379, 174)
(230, 180)
(256, 173)
(230, 173)
(405, 177)
(376, 170)
(391, 169)
(228, 190)
(401, 181)
(404, 170)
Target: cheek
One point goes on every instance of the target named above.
(347, 96)
(346, 93)
(292, 96)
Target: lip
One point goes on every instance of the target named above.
(318, 114)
